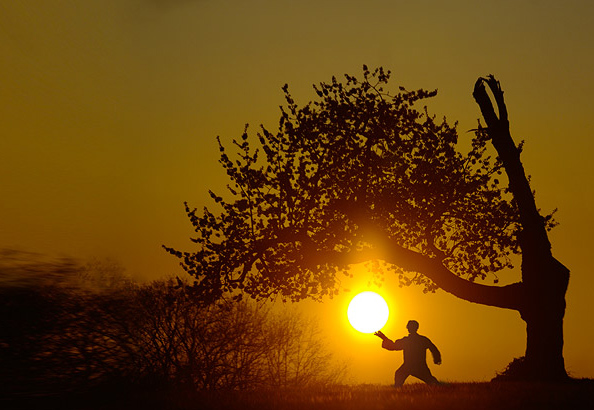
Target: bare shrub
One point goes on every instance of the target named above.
(68, 327)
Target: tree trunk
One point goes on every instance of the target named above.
(544, 347)
(544, 279)
(543, 310)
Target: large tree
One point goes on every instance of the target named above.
(359, 174)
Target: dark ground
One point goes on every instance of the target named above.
(459, 396)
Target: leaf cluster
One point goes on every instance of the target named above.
(355, 169)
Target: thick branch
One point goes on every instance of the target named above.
(391, 251)
(499, 296)
(508, 297)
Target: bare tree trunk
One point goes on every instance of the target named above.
(544, 279)
(543, 311)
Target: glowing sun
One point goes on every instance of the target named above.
(368, 312)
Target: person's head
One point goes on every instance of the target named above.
(412, 326)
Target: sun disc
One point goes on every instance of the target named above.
(368, 312)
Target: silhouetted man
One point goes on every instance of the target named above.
(415, 349)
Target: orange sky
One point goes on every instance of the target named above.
(109, 112)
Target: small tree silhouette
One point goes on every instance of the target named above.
(359, 175)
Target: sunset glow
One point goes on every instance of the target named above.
(368, 312)
(110, 116)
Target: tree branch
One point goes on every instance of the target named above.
(507, 297)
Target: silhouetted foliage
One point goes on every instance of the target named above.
(58, 334)
(355, 162)
(68, 327)
(358, 169)
(360, 174)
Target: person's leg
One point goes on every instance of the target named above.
(400, 376)
(425, 375)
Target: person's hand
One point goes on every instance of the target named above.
(380, 334)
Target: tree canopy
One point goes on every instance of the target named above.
(360, 173)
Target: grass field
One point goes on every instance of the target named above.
(459, 396)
